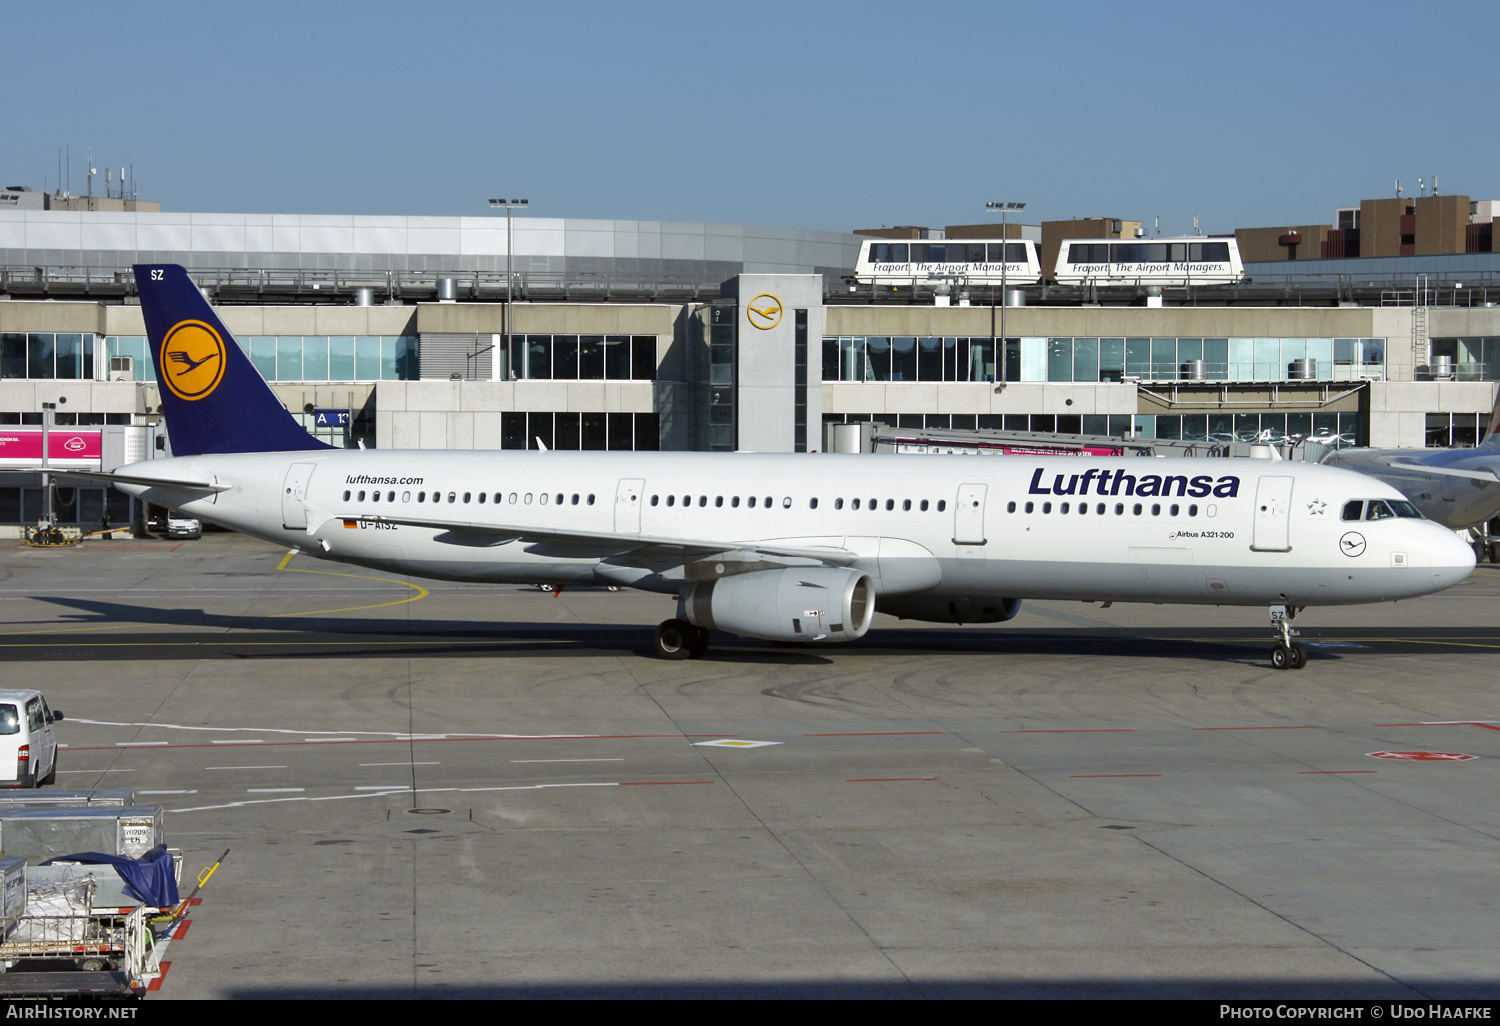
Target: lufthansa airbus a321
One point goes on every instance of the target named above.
(790, 548)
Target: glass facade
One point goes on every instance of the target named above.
(303, 357)
(46, 355)
(596, 431)
(1474, 359)
(932, 358)
(585, 357)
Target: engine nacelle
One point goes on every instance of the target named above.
(950, 608)
(813, 604)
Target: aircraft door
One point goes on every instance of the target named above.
(294, 496)
(628, 505)
(968, 515)
(1273, 507)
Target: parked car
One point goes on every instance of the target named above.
(28, 747)
(179, 526)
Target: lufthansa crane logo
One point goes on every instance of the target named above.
(192, 360)
(1352, 544)
(764, 311)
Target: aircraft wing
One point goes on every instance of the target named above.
(141, 479)
(583, 543)
(1487, 476)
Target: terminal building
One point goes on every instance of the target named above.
(425, 332)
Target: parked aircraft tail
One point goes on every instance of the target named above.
(1492, 429)
(214, 399)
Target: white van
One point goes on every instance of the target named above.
(28, 746)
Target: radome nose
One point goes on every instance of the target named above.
(1452, 560)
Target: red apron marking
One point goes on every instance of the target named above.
(880, 733)
(885, 780)
(156, 983)
(1259, 728)
(1098, 776)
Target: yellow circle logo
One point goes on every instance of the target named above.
(192, 360)
(764, 311)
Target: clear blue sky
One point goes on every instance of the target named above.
(811, 114)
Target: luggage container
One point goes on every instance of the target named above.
(38, 833)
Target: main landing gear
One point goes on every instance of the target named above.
(678, 639)
(1288, 654)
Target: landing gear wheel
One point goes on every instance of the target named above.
(699, 644)
(1281, 657)
(674, 639)
(1298, 656)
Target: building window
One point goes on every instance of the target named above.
(640, 432)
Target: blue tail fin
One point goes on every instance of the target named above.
(213, 397)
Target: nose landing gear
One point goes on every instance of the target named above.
(1288, 654)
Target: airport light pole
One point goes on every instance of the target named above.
(1005, 209)
(49, 410)
(509, 205)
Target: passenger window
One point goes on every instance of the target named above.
(1156, 509)
(786, 502)
(1192, 511)
(671, 500)
(1378, 510)
(1030, 506)
(1175, 508)
(498, 497)
(467, 496)
(653, 500)
(750, 502)
(906, 505)
(390, 496)
(1010, 507)
(1136, 509)
(687, 500)
(559, 498)
(702, 501)
(346, 496)
(1353, 509)
(1046, 507)
(1099, 509)
(890, 504)
(526, 498)
(1083, 508)
(591, 500)
(1063, 508)
(421, 496)
(1119, 509)
(854, 504)
(924, 506)
(574, 500)
(361, 496)
(454, 498)
(812, 503)
(942, 505)
(719, 502)
(406, 497)
(374, 496)
(735, 502)
(768, 502)
(838, 503)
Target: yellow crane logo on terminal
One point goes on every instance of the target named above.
(764, 311)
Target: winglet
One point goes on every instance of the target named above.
(214, 399)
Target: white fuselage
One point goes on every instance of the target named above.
(1231, 532)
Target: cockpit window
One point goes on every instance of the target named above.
(1407, 510)
(1378, 510)
(10, 720)
(1353, 509)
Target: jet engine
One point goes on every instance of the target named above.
(794, 604)
(950, 608)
